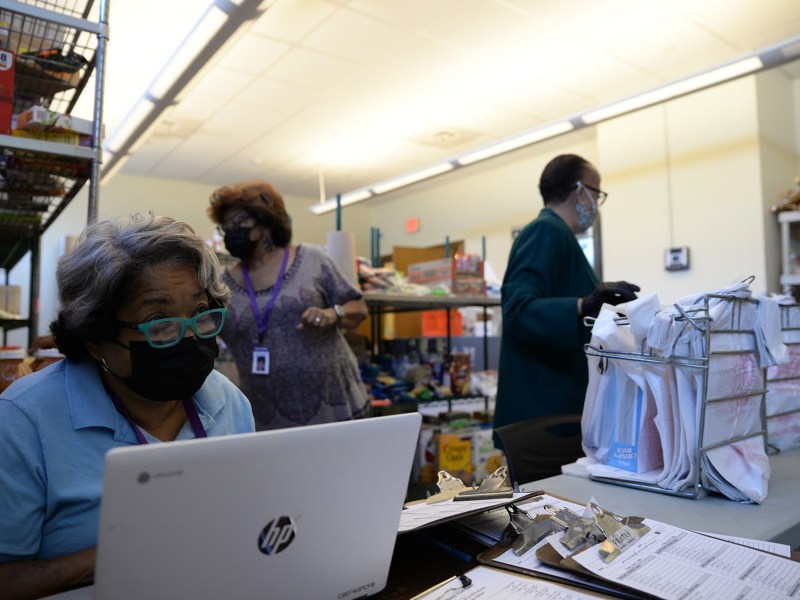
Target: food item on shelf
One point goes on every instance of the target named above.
(790, 199)
(459, 373)
(39, 117)
(61, 137)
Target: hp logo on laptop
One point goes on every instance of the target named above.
(276, 535)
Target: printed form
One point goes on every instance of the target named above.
(670, 562)
(501, 585)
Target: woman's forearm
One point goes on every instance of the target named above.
(354, 312)
(25, 579)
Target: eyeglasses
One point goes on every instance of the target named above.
(238, 221)
(163, 333)
(600, 195)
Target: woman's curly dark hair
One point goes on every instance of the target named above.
(261, 200)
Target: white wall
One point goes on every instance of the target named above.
(488, 199)
(686, 173)
(700, 171)
(780, 150)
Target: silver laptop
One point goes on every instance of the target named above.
(309, 512)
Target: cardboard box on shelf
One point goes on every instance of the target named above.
(455, 455)
(7, 60)
(486, 459)
(462, 274)
(39, 118)
(434, 323)
(10, 298)
(424, 469)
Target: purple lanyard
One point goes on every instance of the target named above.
(188, 406)
(262, 320)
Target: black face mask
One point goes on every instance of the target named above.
(174, 373)
(238, 242)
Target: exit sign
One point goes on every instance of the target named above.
(412, 225)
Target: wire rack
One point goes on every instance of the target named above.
(53, 64)
(54, 61)
(783, 386)
(737, 331)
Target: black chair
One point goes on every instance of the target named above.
(537, 448)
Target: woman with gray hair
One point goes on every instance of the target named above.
(141, 303)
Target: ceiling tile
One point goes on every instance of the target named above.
(220, 82)
(362, 33)
(416, 15)
(360, 88)
(153, 151)
(277, 96)
(253, 54)
(293, 21)
(738, 22)
(311, 69)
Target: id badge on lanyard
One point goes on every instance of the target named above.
(260, 364)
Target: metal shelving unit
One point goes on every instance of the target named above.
(57, 49)
(380, 304)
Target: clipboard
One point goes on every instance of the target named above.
(574, 573)
(577, 575)
(568, 571)
(452, 511)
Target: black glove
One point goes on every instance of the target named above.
(608, 292)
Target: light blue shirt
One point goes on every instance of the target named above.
(56, 426)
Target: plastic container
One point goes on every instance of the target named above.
(44, 357)
(460, 373)
(12, 365)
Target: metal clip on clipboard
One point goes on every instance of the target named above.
(578, 530)
(620, 534)
(615, 534)
(448, 486)
(493, 486)
(524, 531)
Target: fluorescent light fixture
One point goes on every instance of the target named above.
(347, 199)
(135, 117)
(262, 5)
(673, 90)
(791, 50)
(205, 29)
(353, 197)
(409, 178)
(519, 141)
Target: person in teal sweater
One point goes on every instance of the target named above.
(548, 288)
